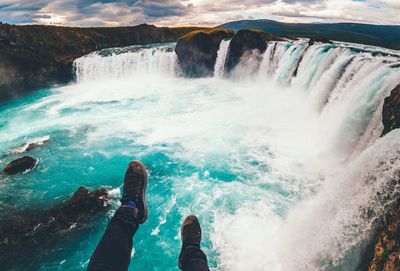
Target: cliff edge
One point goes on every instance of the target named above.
(37, 56)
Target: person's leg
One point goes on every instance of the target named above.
(192, 258)
(114, 250)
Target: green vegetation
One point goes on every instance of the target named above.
(211, 31)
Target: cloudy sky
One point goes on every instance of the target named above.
(194, 12)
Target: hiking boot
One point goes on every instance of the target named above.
(134, 191)
(190, 234)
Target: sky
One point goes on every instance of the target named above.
(195, 12)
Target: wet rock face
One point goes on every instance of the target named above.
(30, 231)
(37, 56)
(34, 145)
(20, 165)
(31, 145)
(197, 51)
(244, 41)
(391, 111)
(387, 247)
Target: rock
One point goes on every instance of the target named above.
(83, 203)
(197, 51)
(33, 231)
(33, 145)
(319, 39)
(246, 40)
(391, 111)
(37, 56)
(387, 248)
(20, 165)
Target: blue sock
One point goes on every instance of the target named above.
(132, 203)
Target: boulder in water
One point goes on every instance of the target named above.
(246, 40)
(391, 111)
(33, 231)
(197, 51)
(20, 165)
(32, 145)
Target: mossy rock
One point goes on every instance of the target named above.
(197, 51)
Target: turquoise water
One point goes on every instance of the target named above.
(202, 170)
(251, 159)
(178, 185)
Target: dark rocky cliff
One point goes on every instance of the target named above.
(391, 111)
(36, 56)
(383, 253)
(386, 252)
(197, 51)
(246, 40)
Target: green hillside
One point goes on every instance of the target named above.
(387, 36)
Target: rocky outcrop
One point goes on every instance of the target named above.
(386, 244)
(391, 111)
(30, 231)
(387, 248)
(244, 41)
(32, 145)
(36, 56)
(20, 165)
(197, 51)
(319, 39)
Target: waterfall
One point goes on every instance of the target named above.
(221, 58)
(345, 83)
(333, 76)
(288, 152)
(131, 61)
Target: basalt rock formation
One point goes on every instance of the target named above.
(36, 56)
(245, 41)
(391, 111)
(387, 248)
(20, 165)
(197, 51)
(29, 231)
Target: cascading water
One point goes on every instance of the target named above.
(221, 58)
(125, 62)
(280, 165)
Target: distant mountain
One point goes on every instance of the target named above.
(387, 36)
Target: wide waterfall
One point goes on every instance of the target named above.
(281, 159)
(116, 63)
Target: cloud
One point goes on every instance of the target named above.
(163, 8)
(195, 12)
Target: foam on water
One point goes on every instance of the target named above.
(262, 160)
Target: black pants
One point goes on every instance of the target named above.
(113, 253)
